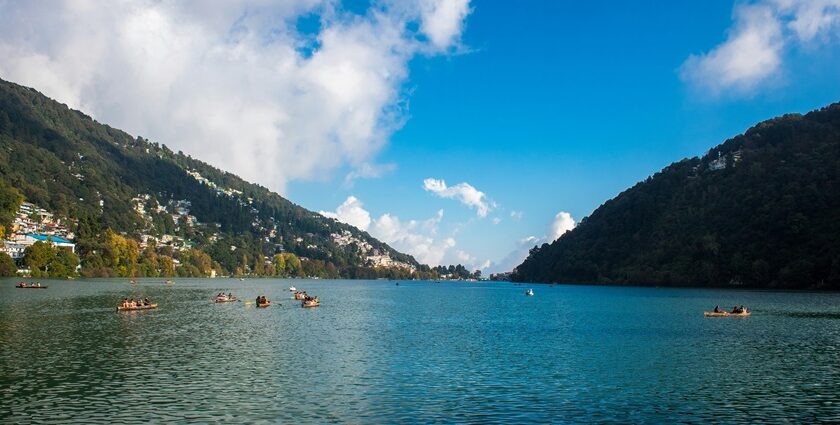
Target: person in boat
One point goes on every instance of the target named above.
(230, 295)
(146, 302)
(717, 309)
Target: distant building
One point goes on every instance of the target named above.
(17, 246)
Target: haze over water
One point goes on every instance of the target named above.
(420, 352)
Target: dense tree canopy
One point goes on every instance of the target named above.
(760, 210)
(66, 162)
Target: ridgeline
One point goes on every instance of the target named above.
(137, 208)
(761, 210)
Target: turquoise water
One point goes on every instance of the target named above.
(419, 352)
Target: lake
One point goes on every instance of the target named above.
(420, 352)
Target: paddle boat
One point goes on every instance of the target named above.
(225, 299)
(262, 301)
(137, 307)
(726, 314)
(24, 285)
(737, 311)
(311, 302)
(529, 292)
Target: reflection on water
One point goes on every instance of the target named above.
(418, 352)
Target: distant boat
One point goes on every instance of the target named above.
(169, 282)
(139, 307)
(529, 292)
(292, 289)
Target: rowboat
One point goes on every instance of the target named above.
(263, 305)
(25, 286)
(314, 302)
(725, 314)
(225, 299)
(140, 307)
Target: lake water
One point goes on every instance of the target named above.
(419, 352)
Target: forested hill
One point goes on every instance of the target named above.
(760, 210)
(101, 178)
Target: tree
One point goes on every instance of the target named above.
(10, 200)
(7, 265)
(279, 265)
(293, 265)
(37, 257)
(64, 263)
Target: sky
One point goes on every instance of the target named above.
(458, 131)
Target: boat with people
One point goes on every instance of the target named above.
(529, 292)
(737, 311)
(300, 295)
(169, 282)
(132, 281)
(310, 302)
(262, 301)
(292, 289)
(36, 285)
(222, 298)
(132, 305)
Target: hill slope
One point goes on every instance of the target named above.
(760, 210)
(99, 178)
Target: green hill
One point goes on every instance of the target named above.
(760, 210)
(101, 178)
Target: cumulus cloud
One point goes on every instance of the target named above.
(234, 83)
(418, 238)
(352, 212)
(443, 20)
(753, 52)
(563, 222)
(462, 192)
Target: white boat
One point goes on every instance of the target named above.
(529, 292)
(292, 289)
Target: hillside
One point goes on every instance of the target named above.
(99, 178)
(760, 210)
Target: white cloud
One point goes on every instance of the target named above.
(418, 238)
(753, 52)
(516, 215)
(443, 20)
(563, 222)
(368, 171)
(469, 261)
(497, 220)
(462, 192)
(351, 212)
(233, 83)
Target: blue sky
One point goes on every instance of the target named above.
(533, 113)
(559, 106)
